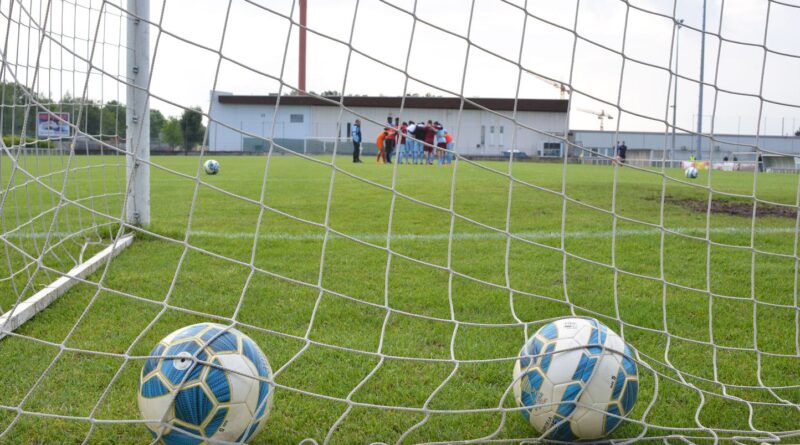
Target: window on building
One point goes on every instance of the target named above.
(551, 149)
(349, 130)
(502, 137)
(483, 135)
(491, 136)
(296, 118)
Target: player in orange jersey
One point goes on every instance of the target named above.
(381, 154)
(448, 155)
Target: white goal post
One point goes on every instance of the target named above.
(137, 176)
(138, 113)
(325, 144)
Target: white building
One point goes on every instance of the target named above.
(643, 146)
(244, 123)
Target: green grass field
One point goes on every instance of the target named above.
(450, 297)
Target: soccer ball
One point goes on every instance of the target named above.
(211, 167)
(576, 380)
(691, 172)
(207, 401)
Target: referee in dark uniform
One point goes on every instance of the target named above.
(622, 151)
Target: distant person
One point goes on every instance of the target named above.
(725, 159)
(380, 141)
(441, 142)
(389, 143)
(430, 142)
(403, 147)
(450, 145)
(419, 135)
(355, 133)
(735, 159)
(411, 143)
(622, 152)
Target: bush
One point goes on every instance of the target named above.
(12, 139)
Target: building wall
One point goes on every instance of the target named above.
(723, 145)
(473, 134)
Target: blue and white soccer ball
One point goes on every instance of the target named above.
(691, 172)
(211, 167)
(227, 400)
(576, 380)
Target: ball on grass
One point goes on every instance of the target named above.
(576, 380)
(205, 382)
(211, 167)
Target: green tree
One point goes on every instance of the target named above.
(157, 121)
(98, 119)
(113, 124)
(14, 101)
(83, 114)
(171, 133)
(192, 127)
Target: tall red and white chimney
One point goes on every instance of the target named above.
(301, 81)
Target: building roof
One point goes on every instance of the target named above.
(451, 103)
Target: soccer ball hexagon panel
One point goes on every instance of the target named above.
(576, 380)
(207, 380)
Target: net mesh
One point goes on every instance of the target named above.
(393, 300)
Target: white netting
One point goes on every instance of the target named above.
(393, 300)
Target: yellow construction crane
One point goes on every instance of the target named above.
(601, 115)
(563, 89)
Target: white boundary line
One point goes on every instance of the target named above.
(24, 311)
(542, 235)
(285, 236)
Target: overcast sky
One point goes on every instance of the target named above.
(502, 35)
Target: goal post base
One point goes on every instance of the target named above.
(21, 313)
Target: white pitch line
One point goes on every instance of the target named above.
(533, 236)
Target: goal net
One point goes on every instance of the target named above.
(392, 300)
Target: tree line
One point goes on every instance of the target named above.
(105, 121)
